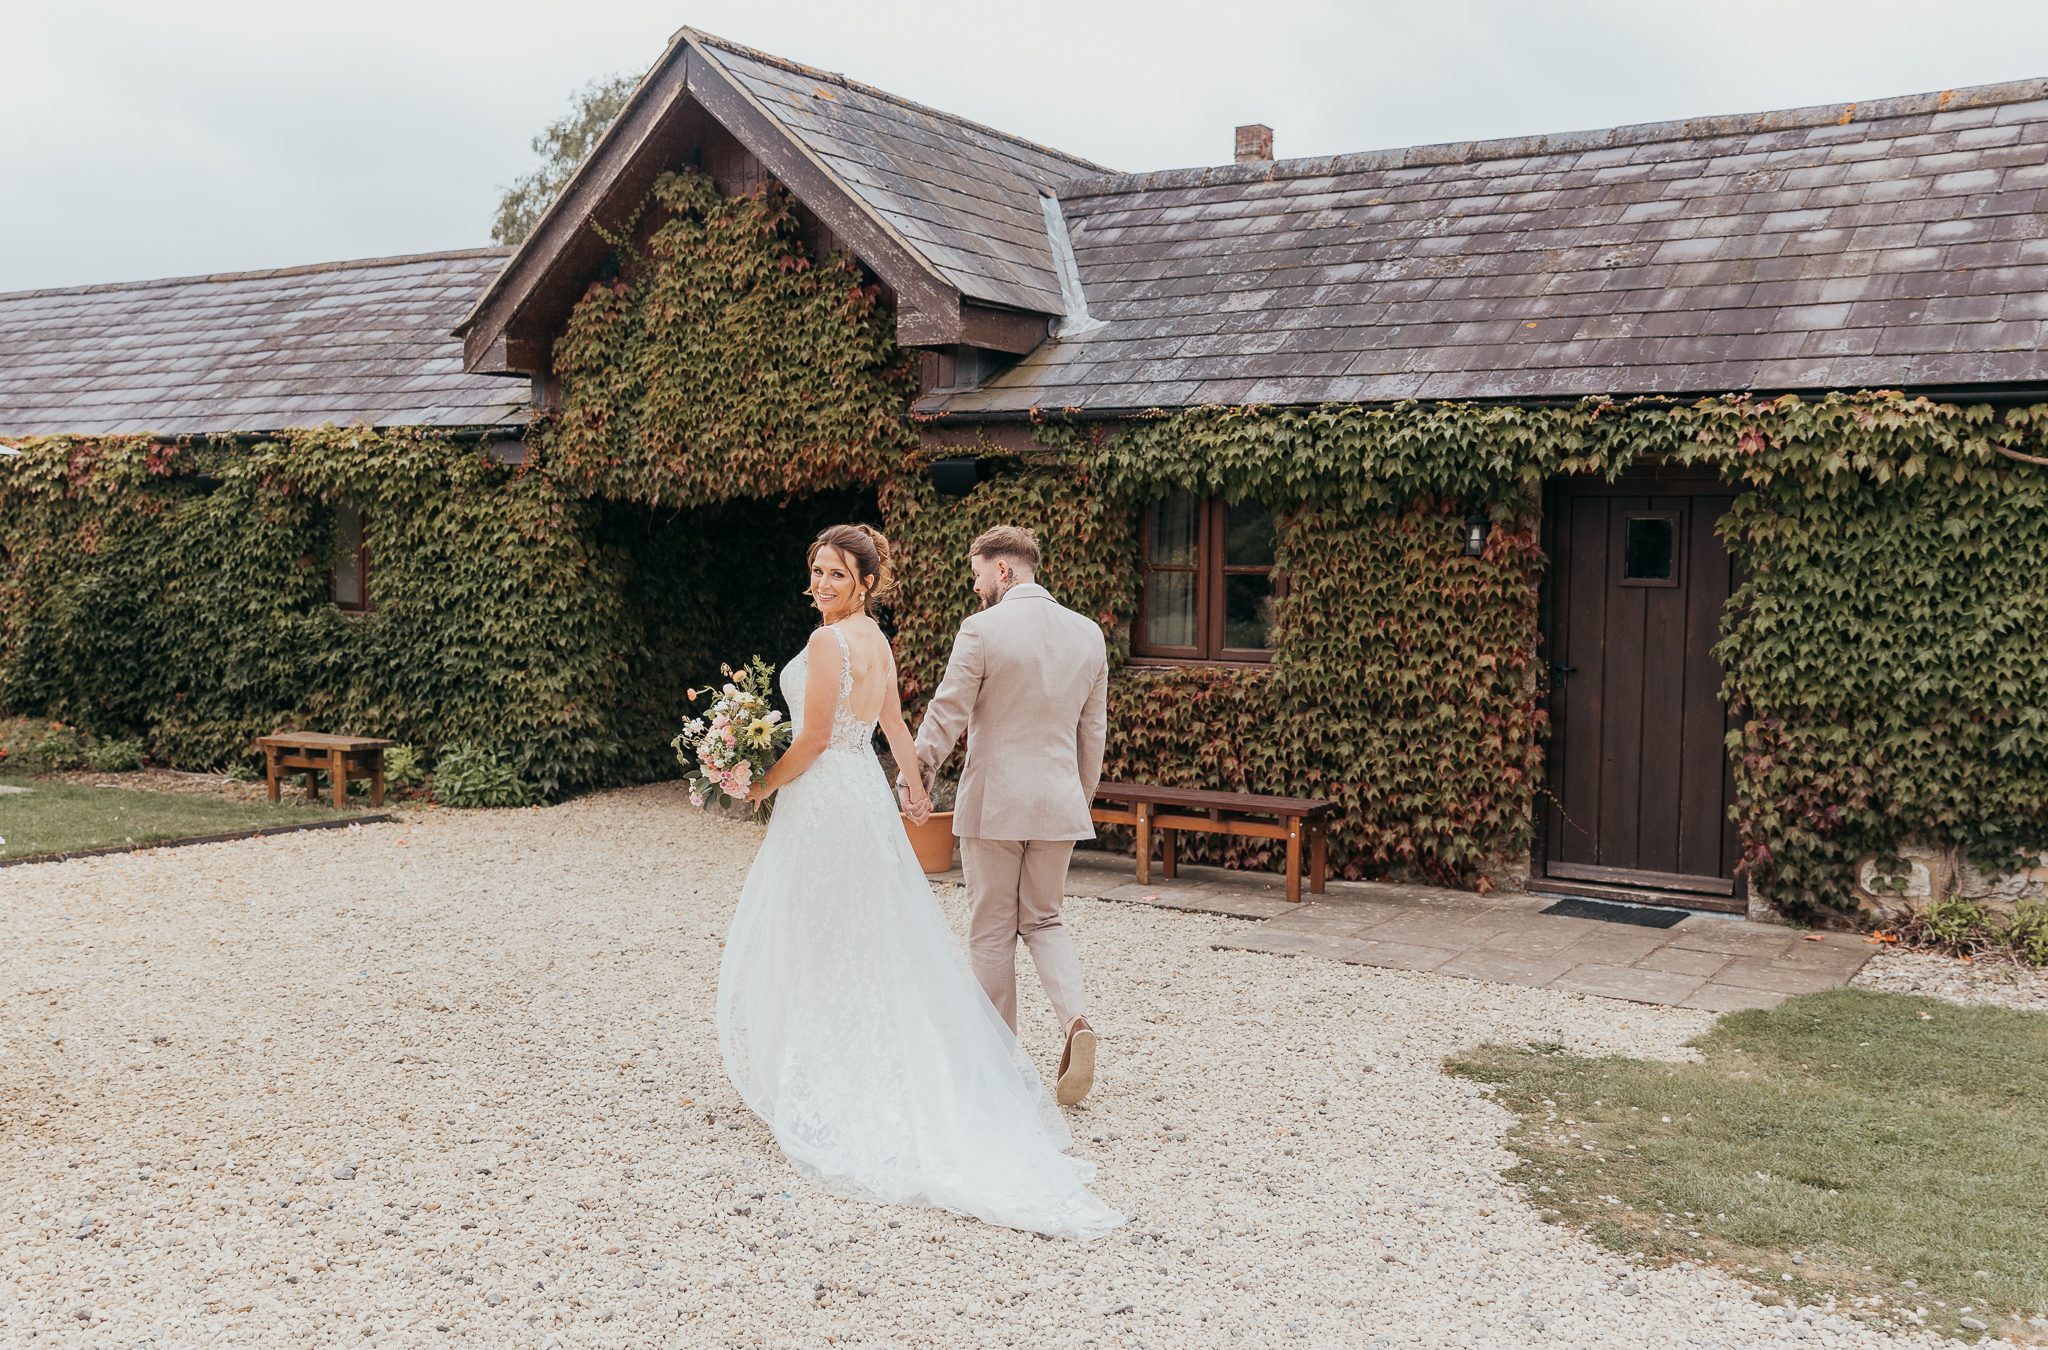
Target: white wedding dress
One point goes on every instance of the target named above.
(851, 1023)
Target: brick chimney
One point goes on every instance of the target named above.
(1254, 143)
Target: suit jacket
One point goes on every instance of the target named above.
(1028, 682)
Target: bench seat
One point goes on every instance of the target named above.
(1169, 810)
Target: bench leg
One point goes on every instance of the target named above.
(337, 777)
(1294, 860)
(1318, 857)
(1144, 814)
(1168, 861)
(377, 788)
(270, 773)
(312, 785)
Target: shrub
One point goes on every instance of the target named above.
(404, 767)
(1966, 928)
(61, 749)
(1958, 927)
(114, 756)
(2027, 933)
(477, 776)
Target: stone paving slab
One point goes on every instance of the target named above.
(1706, 961)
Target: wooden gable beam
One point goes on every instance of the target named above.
(489, 340)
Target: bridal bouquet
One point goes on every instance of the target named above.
(736, 740)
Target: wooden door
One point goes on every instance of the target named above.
(1638, 767)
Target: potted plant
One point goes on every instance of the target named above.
(932, 841)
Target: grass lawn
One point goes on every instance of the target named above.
(1891, 1151)
(57, 817)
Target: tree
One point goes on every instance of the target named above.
(561, 148)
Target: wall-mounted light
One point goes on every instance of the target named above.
(204, 483)
(506, 452)
(954, 477)
(1477, 527)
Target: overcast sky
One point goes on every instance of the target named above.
(150, 139)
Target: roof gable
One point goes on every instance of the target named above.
(944, 210)
(343, 343)
(1893, 244)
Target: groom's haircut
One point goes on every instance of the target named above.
(1012, 544)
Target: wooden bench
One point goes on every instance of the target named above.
(312, 752)
(1168, 811)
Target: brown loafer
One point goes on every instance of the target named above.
(1077, 1066)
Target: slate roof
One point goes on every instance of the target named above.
(1901, 243)
(963, 195)
(340, 342)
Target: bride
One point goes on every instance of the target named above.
(847, 1015)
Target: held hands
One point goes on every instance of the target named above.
(914, 801)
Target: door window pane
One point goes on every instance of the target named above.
(1170, 609)
(1651, 548)
(1173, 525)
(1248, 536)
(1248, 610)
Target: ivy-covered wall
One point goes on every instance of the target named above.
(1885, 656)
(1400, 685)
(135, 603)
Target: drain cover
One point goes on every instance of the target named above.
(1643, 916)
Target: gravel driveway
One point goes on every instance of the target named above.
(454, 1080)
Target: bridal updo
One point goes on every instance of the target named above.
(867, 549)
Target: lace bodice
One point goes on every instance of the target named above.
(849, 733)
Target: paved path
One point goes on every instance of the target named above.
(1709, 962)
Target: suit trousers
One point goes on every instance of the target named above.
(1014, 889)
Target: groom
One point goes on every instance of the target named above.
(1028, 682)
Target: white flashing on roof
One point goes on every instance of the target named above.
(1076, 321)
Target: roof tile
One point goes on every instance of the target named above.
(1903, 246)
(252, 352)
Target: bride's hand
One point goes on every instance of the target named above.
(758, 792)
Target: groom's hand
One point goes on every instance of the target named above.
(918, 812)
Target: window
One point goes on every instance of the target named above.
(1209, 583)
(348, 585)
(1649, 553)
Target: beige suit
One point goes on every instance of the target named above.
(1028, 682)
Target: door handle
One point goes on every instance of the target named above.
(1560, 670)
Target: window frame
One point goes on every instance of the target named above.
(1210, 571)
(1677, 523)
(364, 603)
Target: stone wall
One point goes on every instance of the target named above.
(1931, 874)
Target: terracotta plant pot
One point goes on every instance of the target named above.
(932, 841)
